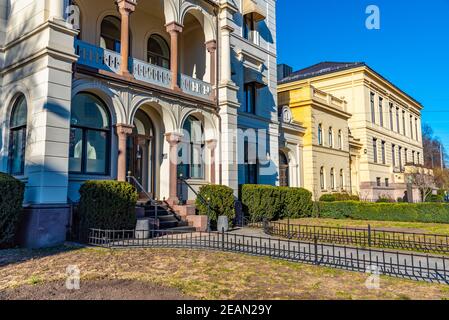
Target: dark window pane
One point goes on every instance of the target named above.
(17, 151)
(75, 150)
(88, 111)
(96, 151)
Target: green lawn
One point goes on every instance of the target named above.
(418, 227)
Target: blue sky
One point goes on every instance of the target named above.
(411, 49)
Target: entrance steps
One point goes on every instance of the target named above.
(174, 218)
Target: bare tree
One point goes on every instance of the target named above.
(421, 179)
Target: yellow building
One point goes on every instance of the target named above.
(325, 140)
(385, 124)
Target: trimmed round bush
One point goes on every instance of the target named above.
(11, 200)
(221, 201)
(109, 205)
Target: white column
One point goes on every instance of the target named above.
(57, 9)
(226, 54)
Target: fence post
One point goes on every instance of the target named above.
(369, 235)
(315, 245)
(222, 239)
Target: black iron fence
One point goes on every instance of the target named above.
(365, 237)
(399, 264)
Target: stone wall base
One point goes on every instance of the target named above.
(43, 226)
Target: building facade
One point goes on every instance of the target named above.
(325, 146)
(99, 90)
(384, 126)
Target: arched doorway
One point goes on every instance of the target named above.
(140, 152)
(283, 170)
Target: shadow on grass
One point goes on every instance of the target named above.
(16, 256)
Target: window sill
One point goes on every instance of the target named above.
(86, 177)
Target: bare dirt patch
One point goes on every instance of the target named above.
(94, 290)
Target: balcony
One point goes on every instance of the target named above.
(107, 60)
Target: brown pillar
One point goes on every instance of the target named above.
(174, 29)
(125, 7)
(173, 139)
(123, 131)
(212, 145)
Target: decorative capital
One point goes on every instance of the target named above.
(126, 6)
(123, 130)
(211, 144)
(173, 138)
(211, 46)
(174, 27)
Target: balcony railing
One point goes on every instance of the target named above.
(103, 59)
(195, 87)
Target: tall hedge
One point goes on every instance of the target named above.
(107, 205)
(11, 200)
(296, 203)
(221, 201)
(406, 212)
(272, 203)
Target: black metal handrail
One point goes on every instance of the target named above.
(200, 197)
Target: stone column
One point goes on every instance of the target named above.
(123, 131)
(211, 47)
(57, 9)
(174, 29)
(226, 54)
(173, 139)
(212, 145)
(125, 8)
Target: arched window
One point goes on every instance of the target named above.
(332, 179)
(17, 140)
(331, 137)
(342, 181)
(193, 131)
(320, 134)
(158, 51)
(90, 135)
(110, 33)
(340, 140)
(322, 182)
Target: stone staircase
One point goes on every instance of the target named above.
(169, 219)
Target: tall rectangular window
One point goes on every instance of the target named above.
(418, 158)
(411, 126)
(250, 97)
(416, 129)
(391, 117)
(375, 149)
(393, 154)
(250, 28)
(400, 157)
(384, 161)
(373, 112)
(251, 165)
(406, 155)
(413, 157)
(387, 182)
(398, 128)
(404, 132)
(381, 112)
